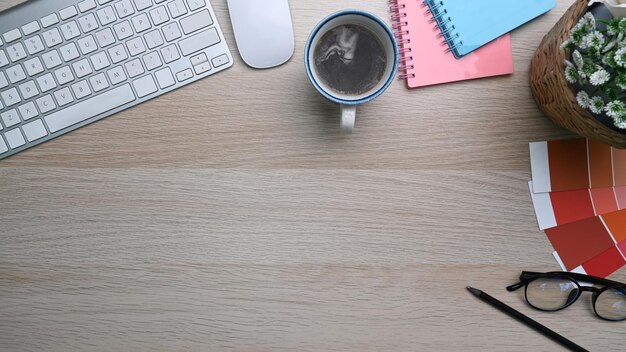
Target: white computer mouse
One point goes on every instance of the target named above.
(263, 30)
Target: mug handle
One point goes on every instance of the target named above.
(348, 118)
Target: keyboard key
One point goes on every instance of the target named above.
(34, 45)
(171, 31)
(87, 45)
(170, 53)
(134, 68)
(105, 37)
(69, 52)
(52, 37)
(135, 46)
(220, 60)
(3, 82)
(90, 108)
(33, 66)
(184, 75)
(3, 59)
(102, 2)
(81, 89)
(202, 67)
(177, 8)
(195, 4)
(145, 86)
(3, 146)
(34, 130)
(51, 59)
(68, 12)
(16, 52)
(15, 138)
(63, 96)
(118, 53)
(70, 30)
(88, 23)
(153, 39)
(141, 23)
(159, 15)
(10, 118)
(64, 75)
(124, 8)
(196, 21)
(123, 30)
(28, 90)
(16, 74)
(116, 75)
(152, 60)
(106, 15)
(82, 68)
(142, 4)
(46, 104)
(199, 41)
(46, 82)
(49, 20)
(28, 111)
(30, 28)
(165, 78)
(12, 35)
(99, 61)
(86, 5)
(10, 97)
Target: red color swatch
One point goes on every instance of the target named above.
(580, 241)
(605, 264)
(604, 200)
(571, 206)
(619, 166)
(620, 193)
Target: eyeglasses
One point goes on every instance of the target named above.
(558, 290)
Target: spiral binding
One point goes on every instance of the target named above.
(399, 25)
(447, 31)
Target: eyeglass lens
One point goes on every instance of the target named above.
(611, 304)
(551, 293)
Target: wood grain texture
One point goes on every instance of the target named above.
(232, 216)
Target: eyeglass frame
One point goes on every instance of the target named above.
(529, 276)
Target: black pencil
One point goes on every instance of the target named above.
(526, 320)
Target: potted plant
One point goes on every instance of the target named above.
(578, 74)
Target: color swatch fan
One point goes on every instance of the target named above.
(579, 195)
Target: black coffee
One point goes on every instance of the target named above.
(350, 59)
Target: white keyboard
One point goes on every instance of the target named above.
(65, 64)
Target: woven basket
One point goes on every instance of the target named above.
(554, 95)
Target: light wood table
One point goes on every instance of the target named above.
(231, 215)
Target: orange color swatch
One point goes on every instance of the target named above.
(616, 222)
(619, 166)
(600, 164)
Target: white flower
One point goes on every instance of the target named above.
(620, 57)
(589, 21)
(615, 109)
(596, 105)
(578, 59)
(583, 99)
(565, 44)
(619, 123)
(600, 77)
(594, 39)
(571, 75)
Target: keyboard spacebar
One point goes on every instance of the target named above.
(89, 108)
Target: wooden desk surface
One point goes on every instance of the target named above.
(231, 215)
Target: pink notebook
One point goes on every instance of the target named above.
(424, 60)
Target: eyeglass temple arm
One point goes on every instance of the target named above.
(528, 275)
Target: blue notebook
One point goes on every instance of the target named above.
(467, 25)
